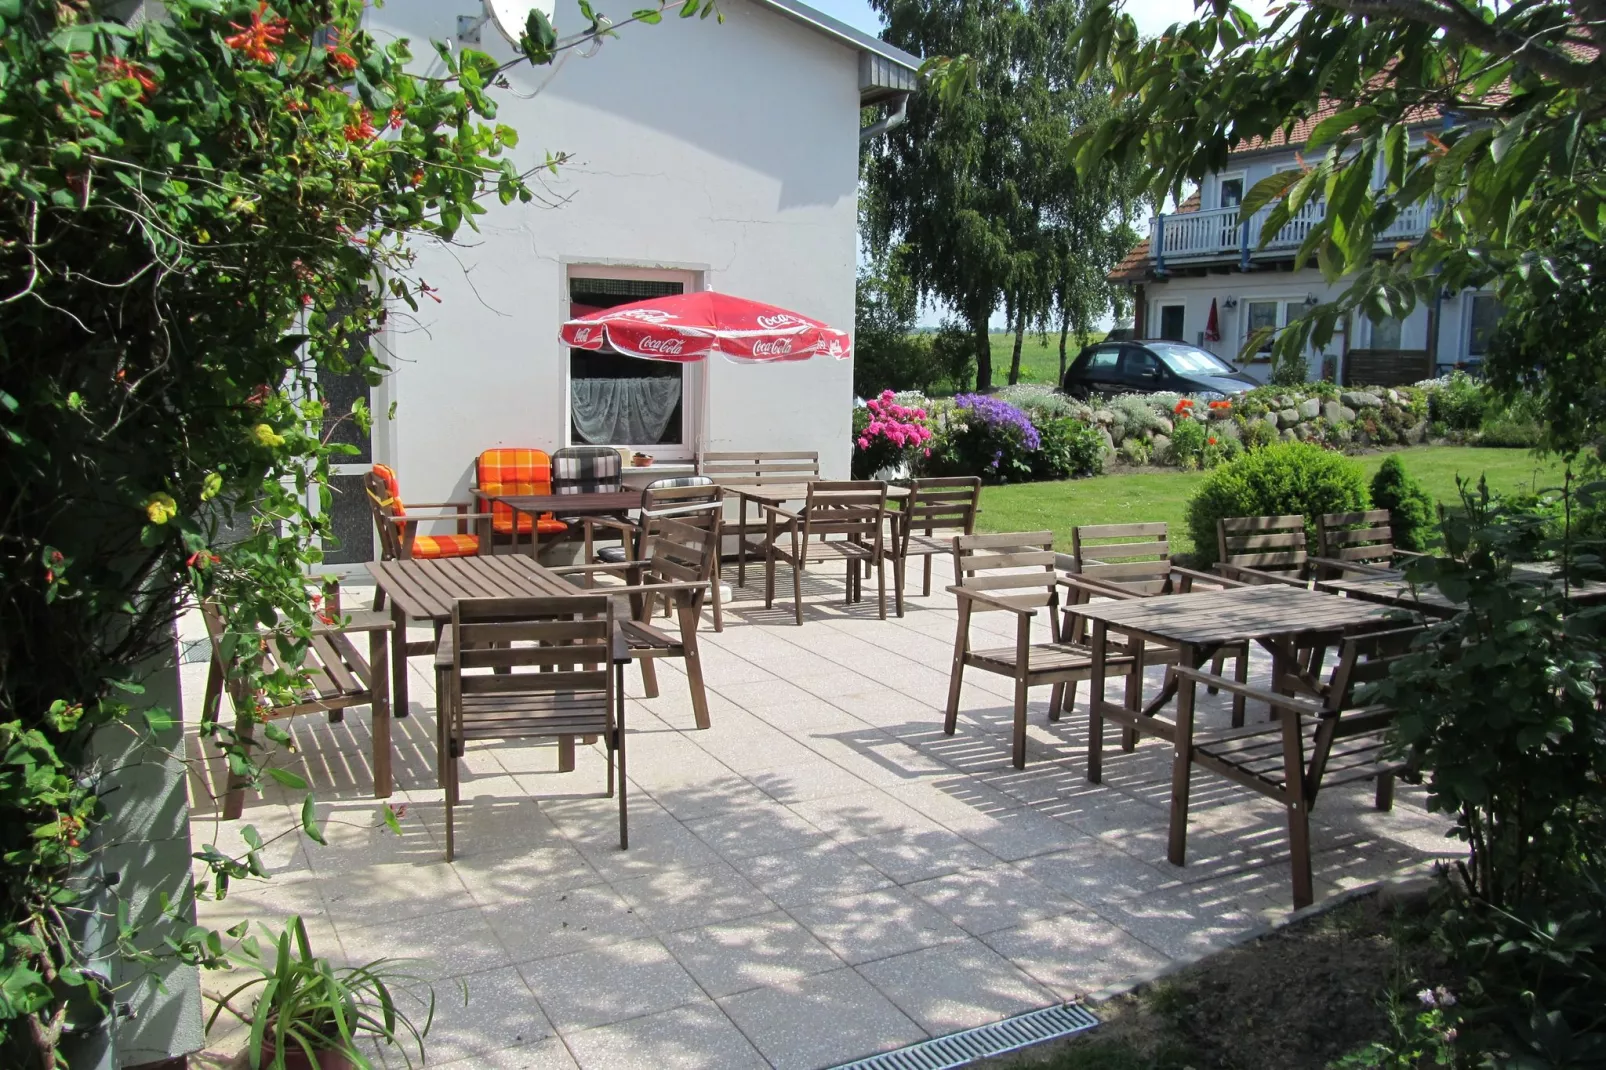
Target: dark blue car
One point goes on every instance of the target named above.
(1155, 366)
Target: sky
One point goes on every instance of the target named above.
(1152, 16)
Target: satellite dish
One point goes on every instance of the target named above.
(511, 16)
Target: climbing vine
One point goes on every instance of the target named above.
(201, 214)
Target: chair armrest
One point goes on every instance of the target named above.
(440, 505)
(653, 588)
(1253, 576)
(1094, 587)
(427, 519)
(607, 566)
(1351, 566)
(990, 600)
(1215, 578)
(363, 620)
(1260, 694)
(617, 523)
(787, 513)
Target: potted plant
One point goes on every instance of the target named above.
(310, 1015)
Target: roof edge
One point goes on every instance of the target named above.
(858, 39)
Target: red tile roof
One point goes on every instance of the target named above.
(1134, 267)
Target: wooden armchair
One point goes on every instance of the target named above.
(756, 470)
(399, 539)
(1014, 573)
(681, 553)
(935, 511)
(1308, 746)
(509, 471)
(1357, 545)
(530, 668)
(1126, 561)
(856, 511)
(338, 677)
(693, 499)
(1263, 549)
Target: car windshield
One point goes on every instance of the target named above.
(1189, 360)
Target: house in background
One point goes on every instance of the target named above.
(1204, 255)
(701, 156)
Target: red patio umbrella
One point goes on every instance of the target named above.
(1213, 324)
(690, 327)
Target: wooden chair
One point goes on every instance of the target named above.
(529, 668)
(1015, 573)
(1309, 746)
(338, 677)
(694, 499)
(680, 553)
(587, 470)
(855, 510)
(1357, 544)
(399, 539)
(755, 470)
(1125, 561)
(947, 504)
(1263, 549)
(510, 471)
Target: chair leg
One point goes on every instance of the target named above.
(957, 673)
(1215, 669)
(881, 586)
(898, 568)
(449, 771)
(1056, 698)
(694, 664)
(719, 598)
(1385, 792)
(649, 678)
(1071, 687)
(1299, 849)
(1019, 749)
(619, 752)
(769, 580)
(925, 585)
(379, 598)
(1182, 761)
(797, 591)
(1241, 675)
(234, 800)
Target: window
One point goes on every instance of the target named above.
(615, 400)
(1103, 358)
(1171, 322)
(1139, 365)
(1258, 316)
(1386, 334)
(1482, 318)
(1232, 192)
(1191, 360)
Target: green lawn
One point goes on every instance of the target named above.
(1163, 495)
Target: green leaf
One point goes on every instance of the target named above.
(650, 16)
(159, 720)
(1268, 189)
(392, 822)
(1329, 129)
(309, 820)
(287, 778)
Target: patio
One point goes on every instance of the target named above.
(821, 875)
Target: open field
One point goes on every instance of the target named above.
(1162, 494)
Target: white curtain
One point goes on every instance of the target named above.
(623, 412)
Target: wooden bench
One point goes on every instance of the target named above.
(1263, 549)
(1359, 544)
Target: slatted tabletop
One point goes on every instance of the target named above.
(1397, 592)
(591, 503)
(1214, 618)
(776, 493)
(426, 590)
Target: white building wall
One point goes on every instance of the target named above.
(729, 152)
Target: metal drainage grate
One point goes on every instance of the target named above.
(960, 1049)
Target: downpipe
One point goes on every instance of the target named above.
(896, 117)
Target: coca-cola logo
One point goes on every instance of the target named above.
(780, 319)
(779, 347)
(582, 334)
(834, 348)
(646, 315)
(666, 346)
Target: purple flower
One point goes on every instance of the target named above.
(1000, 416)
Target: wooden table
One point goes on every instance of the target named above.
(1281, 618)
(1397, 592)
(427, 590)
(597, 503)
(763, 494)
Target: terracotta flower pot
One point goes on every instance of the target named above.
(297, 1060)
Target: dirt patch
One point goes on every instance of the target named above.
(1295, 999)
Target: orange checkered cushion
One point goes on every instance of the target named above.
(387, 475)
(517, 471)
(429, 546)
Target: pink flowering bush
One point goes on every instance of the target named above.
(885, 432)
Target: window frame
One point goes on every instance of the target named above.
(1469, 318)
(694, 375)
(1241, 177)
(1160, 305)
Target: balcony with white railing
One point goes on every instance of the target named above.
(1220, 233)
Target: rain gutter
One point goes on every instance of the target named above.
(897, 116)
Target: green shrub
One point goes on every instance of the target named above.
(1135, 450)
(1295, 477)
(1187, 443)
(1515, 425)
(1219, 449)
(1458, 404)
(1257, 434)
(1040, 401)
(1411, 511)
(983, 436)
(1068, 448)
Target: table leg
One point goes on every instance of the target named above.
(741, 542)
(565, 754)
(398, 660)
(1182, 762)
(379, 685)
(1095, 702)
